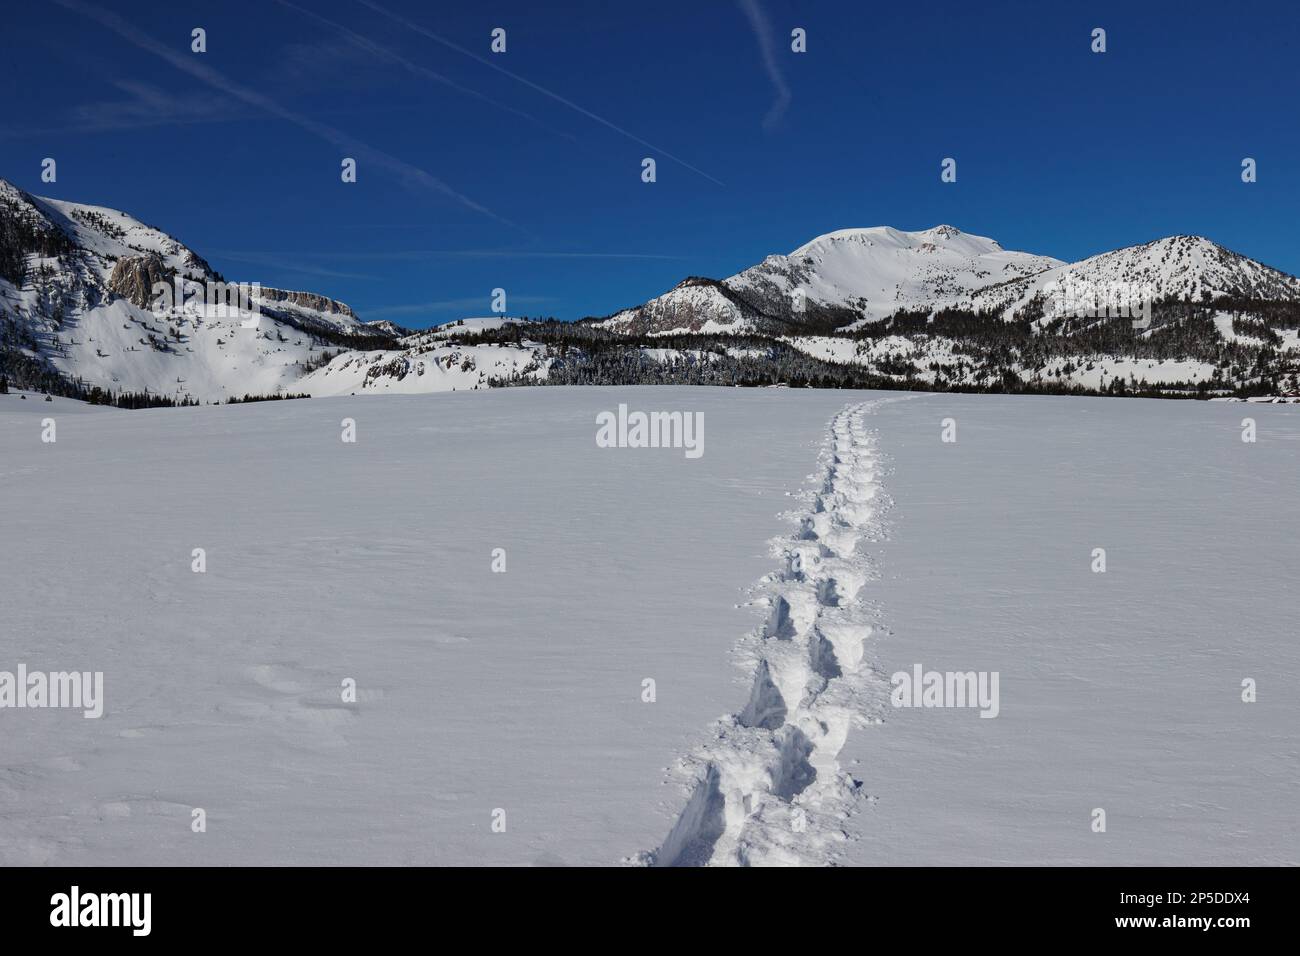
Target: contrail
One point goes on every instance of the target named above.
(767, 46)
(376, 49)
(533, 86)
(216, 80)
(287, 265)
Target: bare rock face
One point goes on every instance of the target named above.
(305, 300)
(198, 266)
(133, 278)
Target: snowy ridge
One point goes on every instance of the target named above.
(868, 273)
(768, 788)
(1189, 268)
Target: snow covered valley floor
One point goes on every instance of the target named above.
(685, 659)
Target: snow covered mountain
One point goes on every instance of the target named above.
(878, 271)
(1185, 268)
(79, 299)
(82, 313)
(854, 275)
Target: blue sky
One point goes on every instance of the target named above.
(522, 170)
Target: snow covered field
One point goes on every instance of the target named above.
(1119, 690)
(519, 697)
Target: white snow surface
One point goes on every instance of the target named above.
(1120, 690)
(769, 588)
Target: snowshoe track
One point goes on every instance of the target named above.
(768, 788)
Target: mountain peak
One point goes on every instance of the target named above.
(942, 231)
(887, 237)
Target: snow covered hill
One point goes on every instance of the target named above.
(79, 297)
(431, 361)
(861, 274)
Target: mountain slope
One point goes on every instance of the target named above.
(695, 305)
(852, 275)
(78, 299)
(875, 272)
(1186, 268)
(430, 361)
